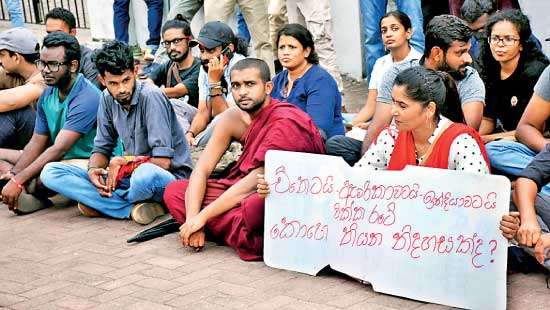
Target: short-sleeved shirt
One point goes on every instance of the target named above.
(464, 154)
(87, 66)
(542, 88)
(315, 93)
(204, 86)
(508, 98)
(189, 78)
(385, 62)
(470, 87)
(77, 113)
(149, 127)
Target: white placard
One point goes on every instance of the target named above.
(421, 233)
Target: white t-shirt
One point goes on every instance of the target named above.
(384, 63)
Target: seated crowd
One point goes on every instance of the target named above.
(96, 129)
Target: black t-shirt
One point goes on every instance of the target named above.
(507, 99)
(189, 78)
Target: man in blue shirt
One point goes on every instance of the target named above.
(143, 118)
(64, 128)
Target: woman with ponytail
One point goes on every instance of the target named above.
(423, 134)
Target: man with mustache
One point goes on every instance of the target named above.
(228, 209)
(220, 50)
(139, 115)
(64, 128)
(178, 77)
(446, 49)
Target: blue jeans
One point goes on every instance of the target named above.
(242, 28)
(371, 13)
(15, 10)
(121, 20)
(511, 158)
(147, 182)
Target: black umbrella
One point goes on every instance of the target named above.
(167, 227)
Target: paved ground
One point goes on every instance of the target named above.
(57, 259)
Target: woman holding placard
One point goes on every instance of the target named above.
(421, 135)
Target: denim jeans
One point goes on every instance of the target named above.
(121, 20)
(511, 157)
(15, 10)
(147, 182)
(371, 13)
(242, 28)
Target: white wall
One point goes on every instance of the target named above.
(538, 10)
(346, 28)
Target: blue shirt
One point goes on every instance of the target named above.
(316, 93)
(148, 127)
(76, 113)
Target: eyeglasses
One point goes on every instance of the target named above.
(53, 66)
(176, 42)
(505, 40)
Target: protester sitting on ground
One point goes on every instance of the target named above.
(447, 45)
(511, 157)
(304, 83)
(178, 77)
(220, 50)
(65, 124)
(21, 84)
(531, 228)
(227, 209)
(60, 19)
(511, 65)
(396, 30)
(143, 118)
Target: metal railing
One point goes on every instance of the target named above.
(34, 11)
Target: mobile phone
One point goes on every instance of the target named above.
(226, 54)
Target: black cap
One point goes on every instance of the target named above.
(213, 34)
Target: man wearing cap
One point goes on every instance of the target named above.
(21, 84)
(65, 124)
(220, 50)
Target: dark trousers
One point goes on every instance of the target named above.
(16, 128)
(121, 20)
(347, 148)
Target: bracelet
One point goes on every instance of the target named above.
(19, 185)
(192, 133)
(215, 95)
(215, 84)
(216, 87)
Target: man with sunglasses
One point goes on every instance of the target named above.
(178, 77)
(65, 124)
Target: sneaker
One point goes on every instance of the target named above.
(87, 211)
(146, 212)
(28, 203)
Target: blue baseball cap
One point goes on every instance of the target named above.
(213, 34)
